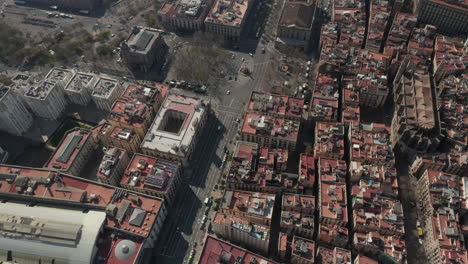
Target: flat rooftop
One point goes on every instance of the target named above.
(150, 173)
(190, 9)
(303, 248)
(58, 75)
(104, 87)
(40, 90)
(215, 249)
(130, 212)
(68, 149)
(281, 105)
(329, 139)
(175, 124)
(112, 156)
(254, 203)
(258, 124)
(238, 223)
(228, 12)
(80, 81)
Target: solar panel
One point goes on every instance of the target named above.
(70, 146)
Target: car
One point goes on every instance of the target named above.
(109, 26)
(233, 56)
(242, 59)
(219, 128)
(228, 92)
(251, 55)
(263, 50)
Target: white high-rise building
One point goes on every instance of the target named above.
(105, 92)
(59, 76)
(46, 99)
(14, 117)
(79, 88)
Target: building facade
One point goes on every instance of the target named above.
(14, 116)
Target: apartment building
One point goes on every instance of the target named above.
(215, 249)
(153, 176)
(335, 255)
(332, 235)
(78, 89)
(269, 131)
(278, 106)
(399, 34)
(176, 129)
(449, 58)
(448, 16)
(46, 99)
(120, 137)
(105, 92)
(351, 19)
(59, 76)
(379, 16)
(73, 152)
(328, 34)
(112, 165)
(306, 171)
(143, 48)
(136, 108)
(240, 231)
(295, 24)
(254, 206)
(329, 140)
(391, 248)
(303, 251)
(332, 192)
(324, 106)
(297, 214)
(223, 21)
(14, 116)
(370, 144)
(185, 15)
(384, 177)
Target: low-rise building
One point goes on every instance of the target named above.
(324, 106)
(328, 34)
(216, 250)
(399, 33)
(332, 235)
(284, 246)
(329, 140)
(14, 116)
(120, 137)
(255, 207)
(306, 171)
(269, 131)
(373, 243)
(303, 251)
(105, 92)
(370, 144)
(351, 19)
(176, 129)
(228, 17)
(421, 46)
(332, 192)
(78, 89)
(143, 48)
(112, 166)
(136, 108)
(46, 99)
(153, 176)
(336, 256)
(73, 152)
(295, 24)
(297, 214)
(185, 15)
(278, 106)
(449, 57)
(240, 231)
(379, 16)
(385, 176)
